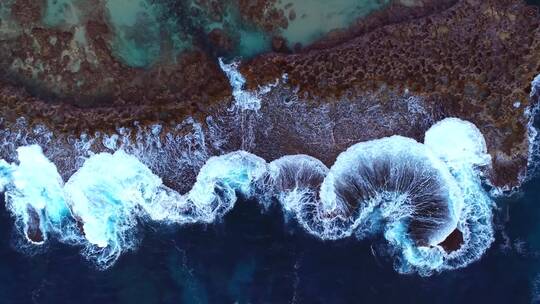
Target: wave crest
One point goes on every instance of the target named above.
(418, 196)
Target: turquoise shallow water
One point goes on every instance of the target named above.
(144, 30)
(318, 17)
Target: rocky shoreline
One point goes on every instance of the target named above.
(391, 73)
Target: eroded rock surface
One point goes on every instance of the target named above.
(474, 60)
(395, 72)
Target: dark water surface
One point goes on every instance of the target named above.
(251, 257)
(256, 257)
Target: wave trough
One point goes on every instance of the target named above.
(424, 199)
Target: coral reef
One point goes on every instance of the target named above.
(402, 68)
(474, 60)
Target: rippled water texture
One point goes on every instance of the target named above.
(212, 211)
(142, 28)
(264, 259)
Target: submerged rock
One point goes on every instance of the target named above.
(453, 242)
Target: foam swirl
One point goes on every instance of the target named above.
(425, 199)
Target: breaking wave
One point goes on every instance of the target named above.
(531, 114)
(425, 199)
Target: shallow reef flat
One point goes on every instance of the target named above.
(475, 60)
(81, 67)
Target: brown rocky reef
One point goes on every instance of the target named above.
(467, 58)
(69, 78)
(474, 60)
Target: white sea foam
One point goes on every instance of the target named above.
(535, 86)
(243, 99)
(532, 132)
(107, 195)
(455, 140)
(33, 191)
(414, 194)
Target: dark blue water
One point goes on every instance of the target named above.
(251, 257)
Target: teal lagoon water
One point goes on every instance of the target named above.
(146, 30)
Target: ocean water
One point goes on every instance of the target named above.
(370, 228)
(252, 254)
(318, 17)
(146, 30)
(256, 257)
